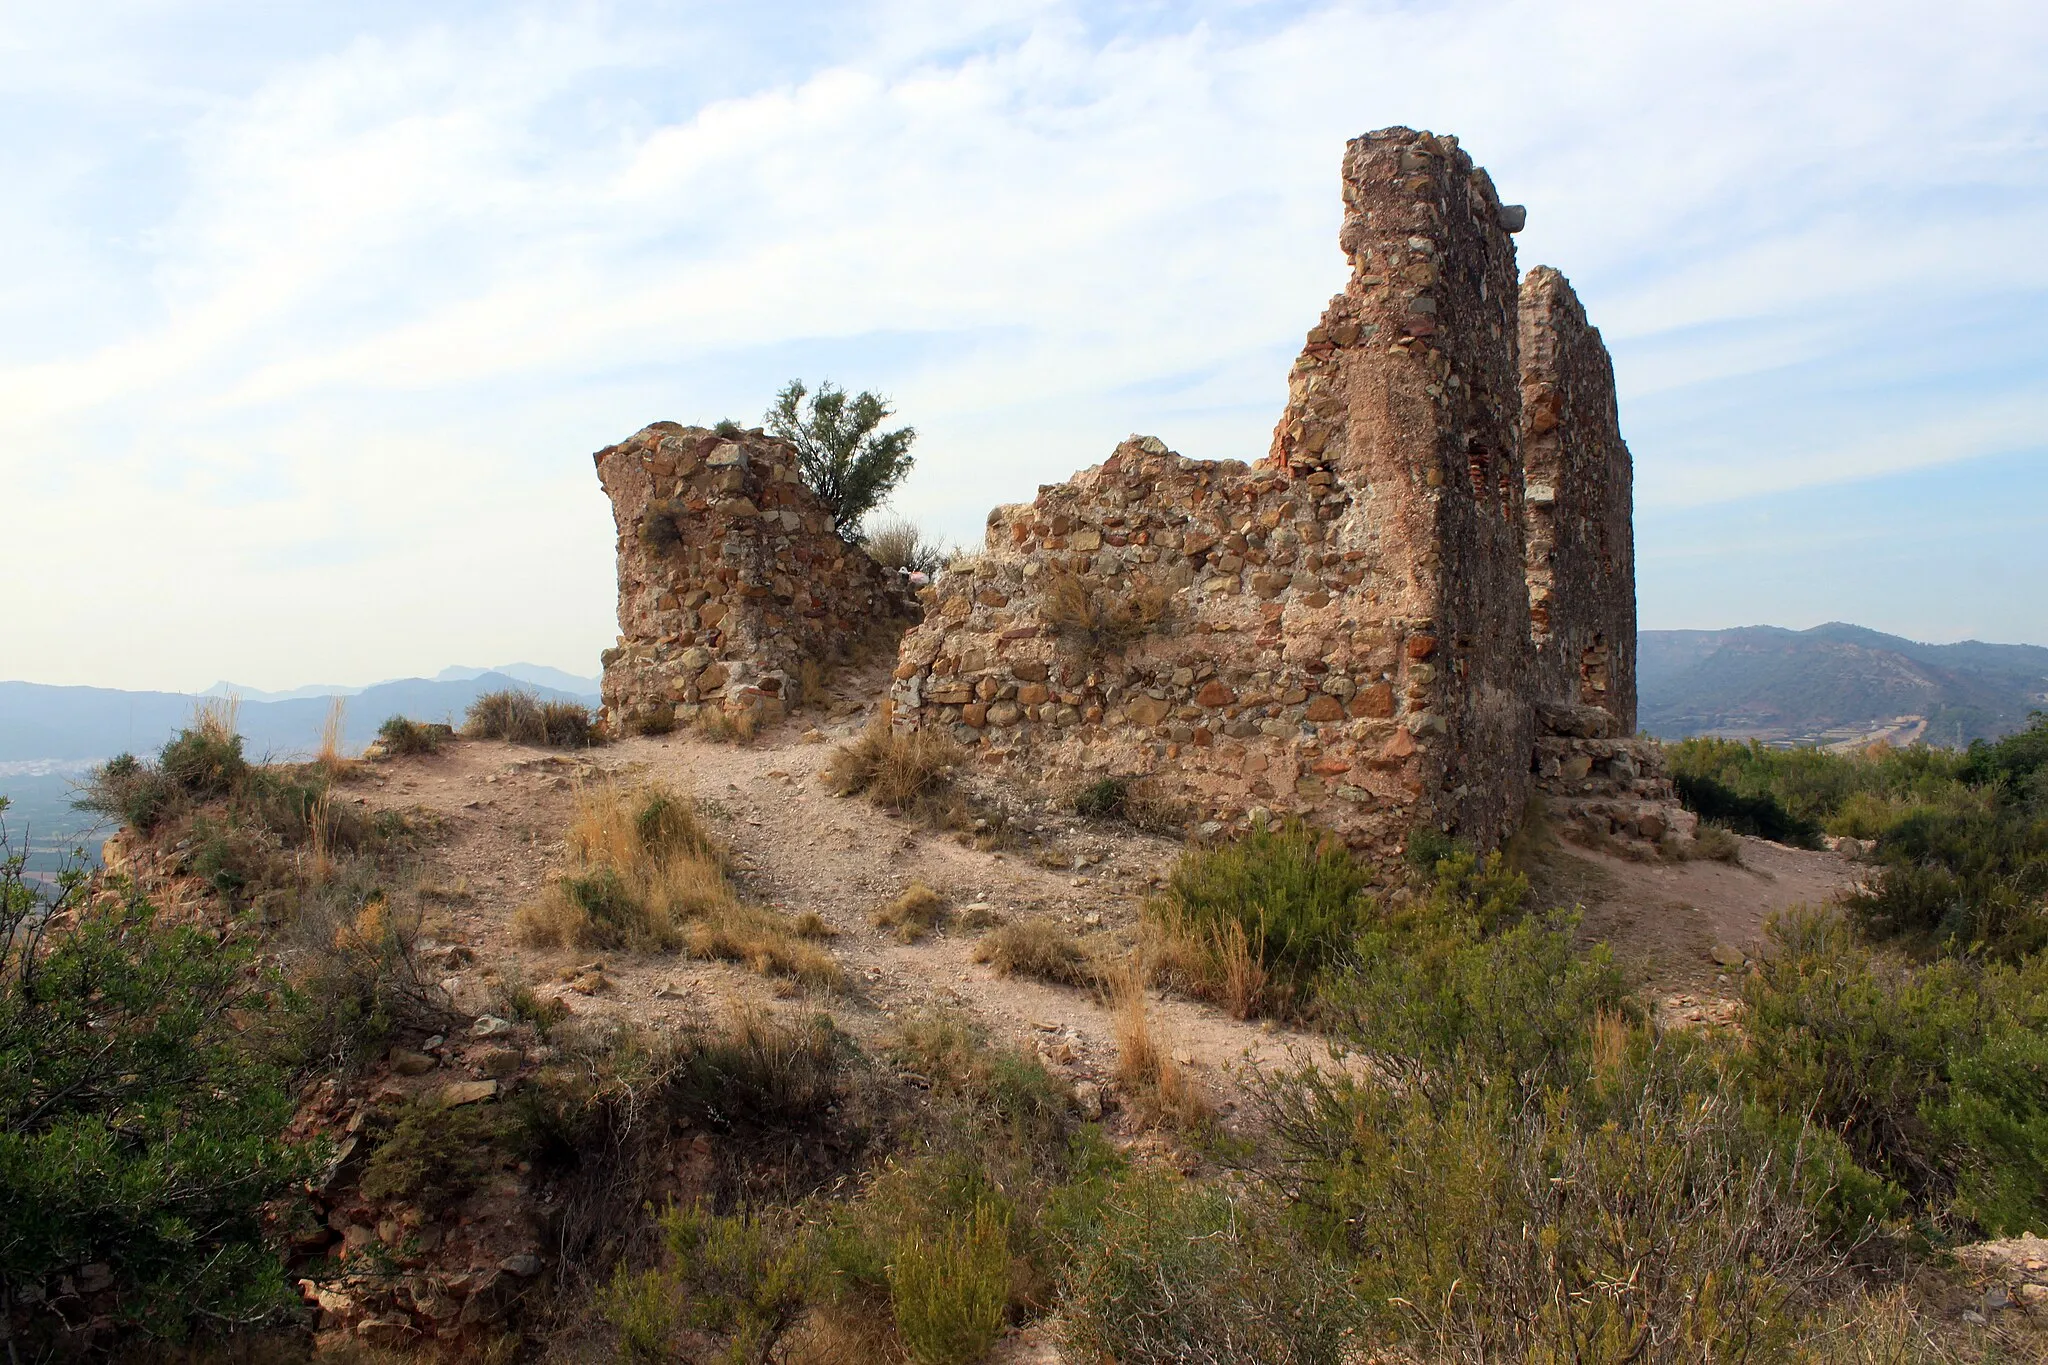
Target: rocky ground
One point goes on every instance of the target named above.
(502, 810)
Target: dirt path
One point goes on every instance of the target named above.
(503, 809)
(1683, 930)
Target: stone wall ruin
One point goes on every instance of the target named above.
(731, 579)
(1580, 514)
(1339, 631)
(1385, 623)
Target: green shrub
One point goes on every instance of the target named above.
(355, 977)
(1960, 881)
(998, 1091)
(1434, 994)
(1292, 897)
(1103, 799)
(434, 1156)
(2013, 763)
(137, 794)
(949, 1287)
(565, 725)
(1759, 814)
(402, 736)
(138, 1127)
(1165, 1272)
(205, 761)
(1935, 1077)
(1628, 1217)
(759, 1074)
(746, 1277)
(523, 718)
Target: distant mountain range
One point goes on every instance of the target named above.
(44, 724)
(1837, 685)
(50, 737)
(536, 675)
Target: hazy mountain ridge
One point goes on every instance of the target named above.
(1835, 683)
(39, 721)
(533, 675)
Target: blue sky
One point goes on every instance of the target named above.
(315, 313)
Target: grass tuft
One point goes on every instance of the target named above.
(915, 913)
(904, 772)
(523, 718)
(1038, 948)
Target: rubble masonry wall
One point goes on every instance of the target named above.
(1580, 507)
(1340, 631)
(731, 577)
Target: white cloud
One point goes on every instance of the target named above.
(413, 277)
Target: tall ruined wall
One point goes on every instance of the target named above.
(1341, 630)
(1580, 514)
(730, 578)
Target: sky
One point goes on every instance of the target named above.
(314, 314)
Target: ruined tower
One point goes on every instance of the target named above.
(730, 578)
(1340, 630)
(1580, 513)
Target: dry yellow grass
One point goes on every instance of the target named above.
(1089, 611)
(909, 772)
(1037, 948)
(217, 718)
(1158, 1087)
(726, 727)
(811, 680)
(646, 875)
(330, 756)
(319, 856)
(1242, 978)
(915, 913)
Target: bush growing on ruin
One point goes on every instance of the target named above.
(897, 544)
(1089, 613)
(843, 456)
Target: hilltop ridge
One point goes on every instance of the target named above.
(1835, 684)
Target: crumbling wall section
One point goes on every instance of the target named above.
(1600, 783)
(731, 577)
(1580, 512)
(1340, 631)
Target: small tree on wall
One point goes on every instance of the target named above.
(847, 462)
